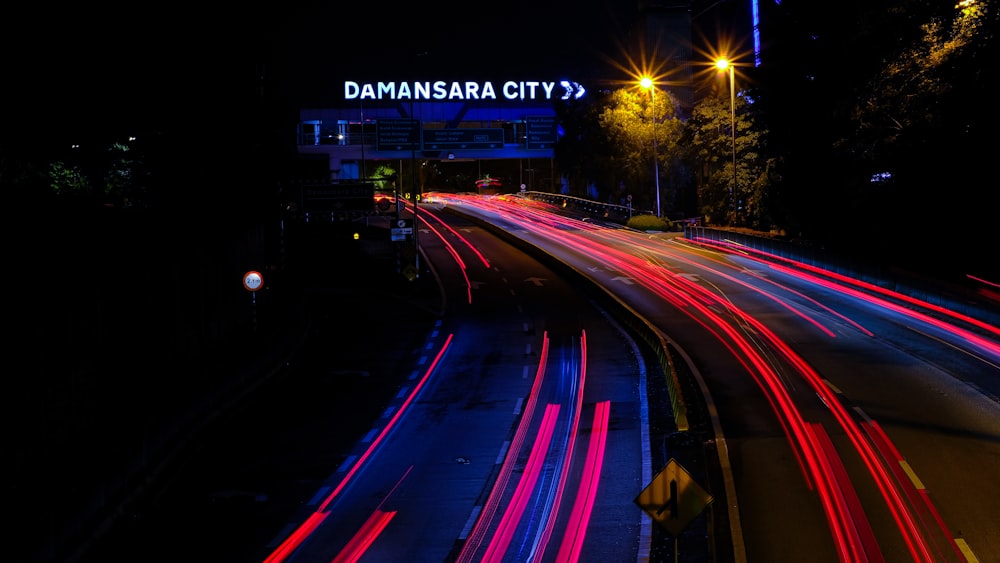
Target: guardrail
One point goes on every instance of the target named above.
(965, 300)
(610, 211)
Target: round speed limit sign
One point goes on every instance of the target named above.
(252, 280)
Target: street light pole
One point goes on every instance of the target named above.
(647, 82)
(725, 64)
(656, 159)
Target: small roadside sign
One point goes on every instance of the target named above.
(253, 281)
(673, 499)
(403, 228)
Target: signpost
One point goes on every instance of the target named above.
(397, 135)
(338, 197)
(673, 499)
(541, 132)
(471, 138)
(403, 228)
(253, 281)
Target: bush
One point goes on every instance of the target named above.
(648, 223)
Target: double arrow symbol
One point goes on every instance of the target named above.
(573, 90)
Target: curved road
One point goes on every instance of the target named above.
(827, 420)
(518, 431)
(859, 425)
(525, 418)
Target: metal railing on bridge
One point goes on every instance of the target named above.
(610, 211)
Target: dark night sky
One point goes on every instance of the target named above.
(454, 37)
(77, 66)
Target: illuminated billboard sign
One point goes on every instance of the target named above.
(441, 90)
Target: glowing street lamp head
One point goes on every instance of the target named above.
(646, 82)
(722, 64)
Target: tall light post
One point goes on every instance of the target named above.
(647, 83)
(726, 64)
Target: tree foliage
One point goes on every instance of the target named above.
(881, 122)
(693, 155)
(384, 176)
(643, 127)
(586, 155)
(909, 95)
(116, 177)
(725, 197)
(66, 180)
